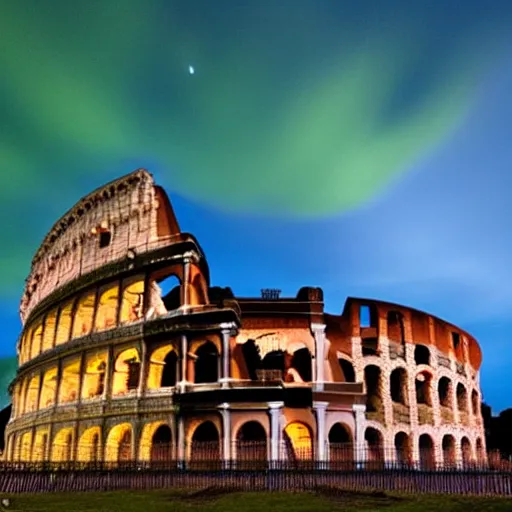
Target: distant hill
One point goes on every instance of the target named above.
(8, 366)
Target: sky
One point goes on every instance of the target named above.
(359, 146)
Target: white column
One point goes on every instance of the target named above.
(227, 332)
(185, 296)
(181, 442)
(321, 437)
(183, 360)
(226, 434)
(318, 370)
(275, 410)
(359, 442)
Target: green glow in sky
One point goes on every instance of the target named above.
(300, 108)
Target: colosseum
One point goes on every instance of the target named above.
(128, 354)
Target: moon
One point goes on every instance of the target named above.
(191, 70)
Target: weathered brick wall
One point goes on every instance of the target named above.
(127, 208)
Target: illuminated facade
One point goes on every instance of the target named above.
(128, 354)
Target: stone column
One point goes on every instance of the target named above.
(319, 366)
(83, 367)
(225, 371)
(275, 411)
(183, 358)
(226, 434)
(359, 442)
(143, 369)
(109, 377)
(180, 442)
(57, 386)
(321, 436)
(185, 295)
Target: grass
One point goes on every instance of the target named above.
(213, 500)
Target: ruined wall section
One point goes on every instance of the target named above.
(101, 228)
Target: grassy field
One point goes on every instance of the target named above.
(216, 501)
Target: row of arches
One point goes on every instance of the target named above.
(157, 444)
(404, 454)
(424, 389)
(118, 303)
(91, 377)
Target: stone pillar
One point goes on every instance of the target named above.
(225, 373)
(83, 367)
(185, 295)
(359, 442)
(275, 411)
(181, 440)
(143, 369)
(226, 434)
(57, 387)
(321, 435)
(319, 366)
(183, 358)
(109, 377)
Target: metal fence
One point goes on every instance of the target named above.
(296, 469)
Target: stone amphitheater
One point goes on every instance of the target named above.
(128, 354)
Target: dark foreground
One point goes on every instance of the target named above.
(216, 500)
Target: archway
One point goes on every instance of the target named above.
(341, 449)
(375, 448)
(372, 378)
(422, 355)
(347, 369)
(119, 444)
(449, 455)
(126, 372)
(467, 456)
(403, 449)
(398, 386)
(444, 389)
(475, 403)
(462, 398)
(427, 453)
(301, 361)
(274, 363)
(169, 372)
(161, 445)
(480, 452)
(62, 445)
(205, 449)
(298, 441)
(251, 445)
(89, 445)
(207, 364)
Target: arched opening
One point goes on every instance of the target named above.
(462, 398)
(161, 445)
(251, 445)
(372, 379)
(475, 403)
(398, 386)
(298, 441)
(422, 355)
(349, 375)
(467, 456)
(301, 362)
(427, 453)
(40, 446)
(31, 400)
(375, 448)
(89, 445)
(480, 452)
(62, 446)
(106, 313)
(127, 372)
(444, 389)
(94, 377)
(423, 384)
(84, 314)
(26, 447)
(207, 364)
(69, 382)
(403, 449)
(274, 361)
(164, 294)
(341, 449)
(424, 388)
(132, 302)
(48, 389)
(449, 455)
(369, 319)
(205, 449)
(169, 372)
(119, 444)
(252, 358)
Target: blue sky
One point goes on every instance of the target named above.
(358, 146)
